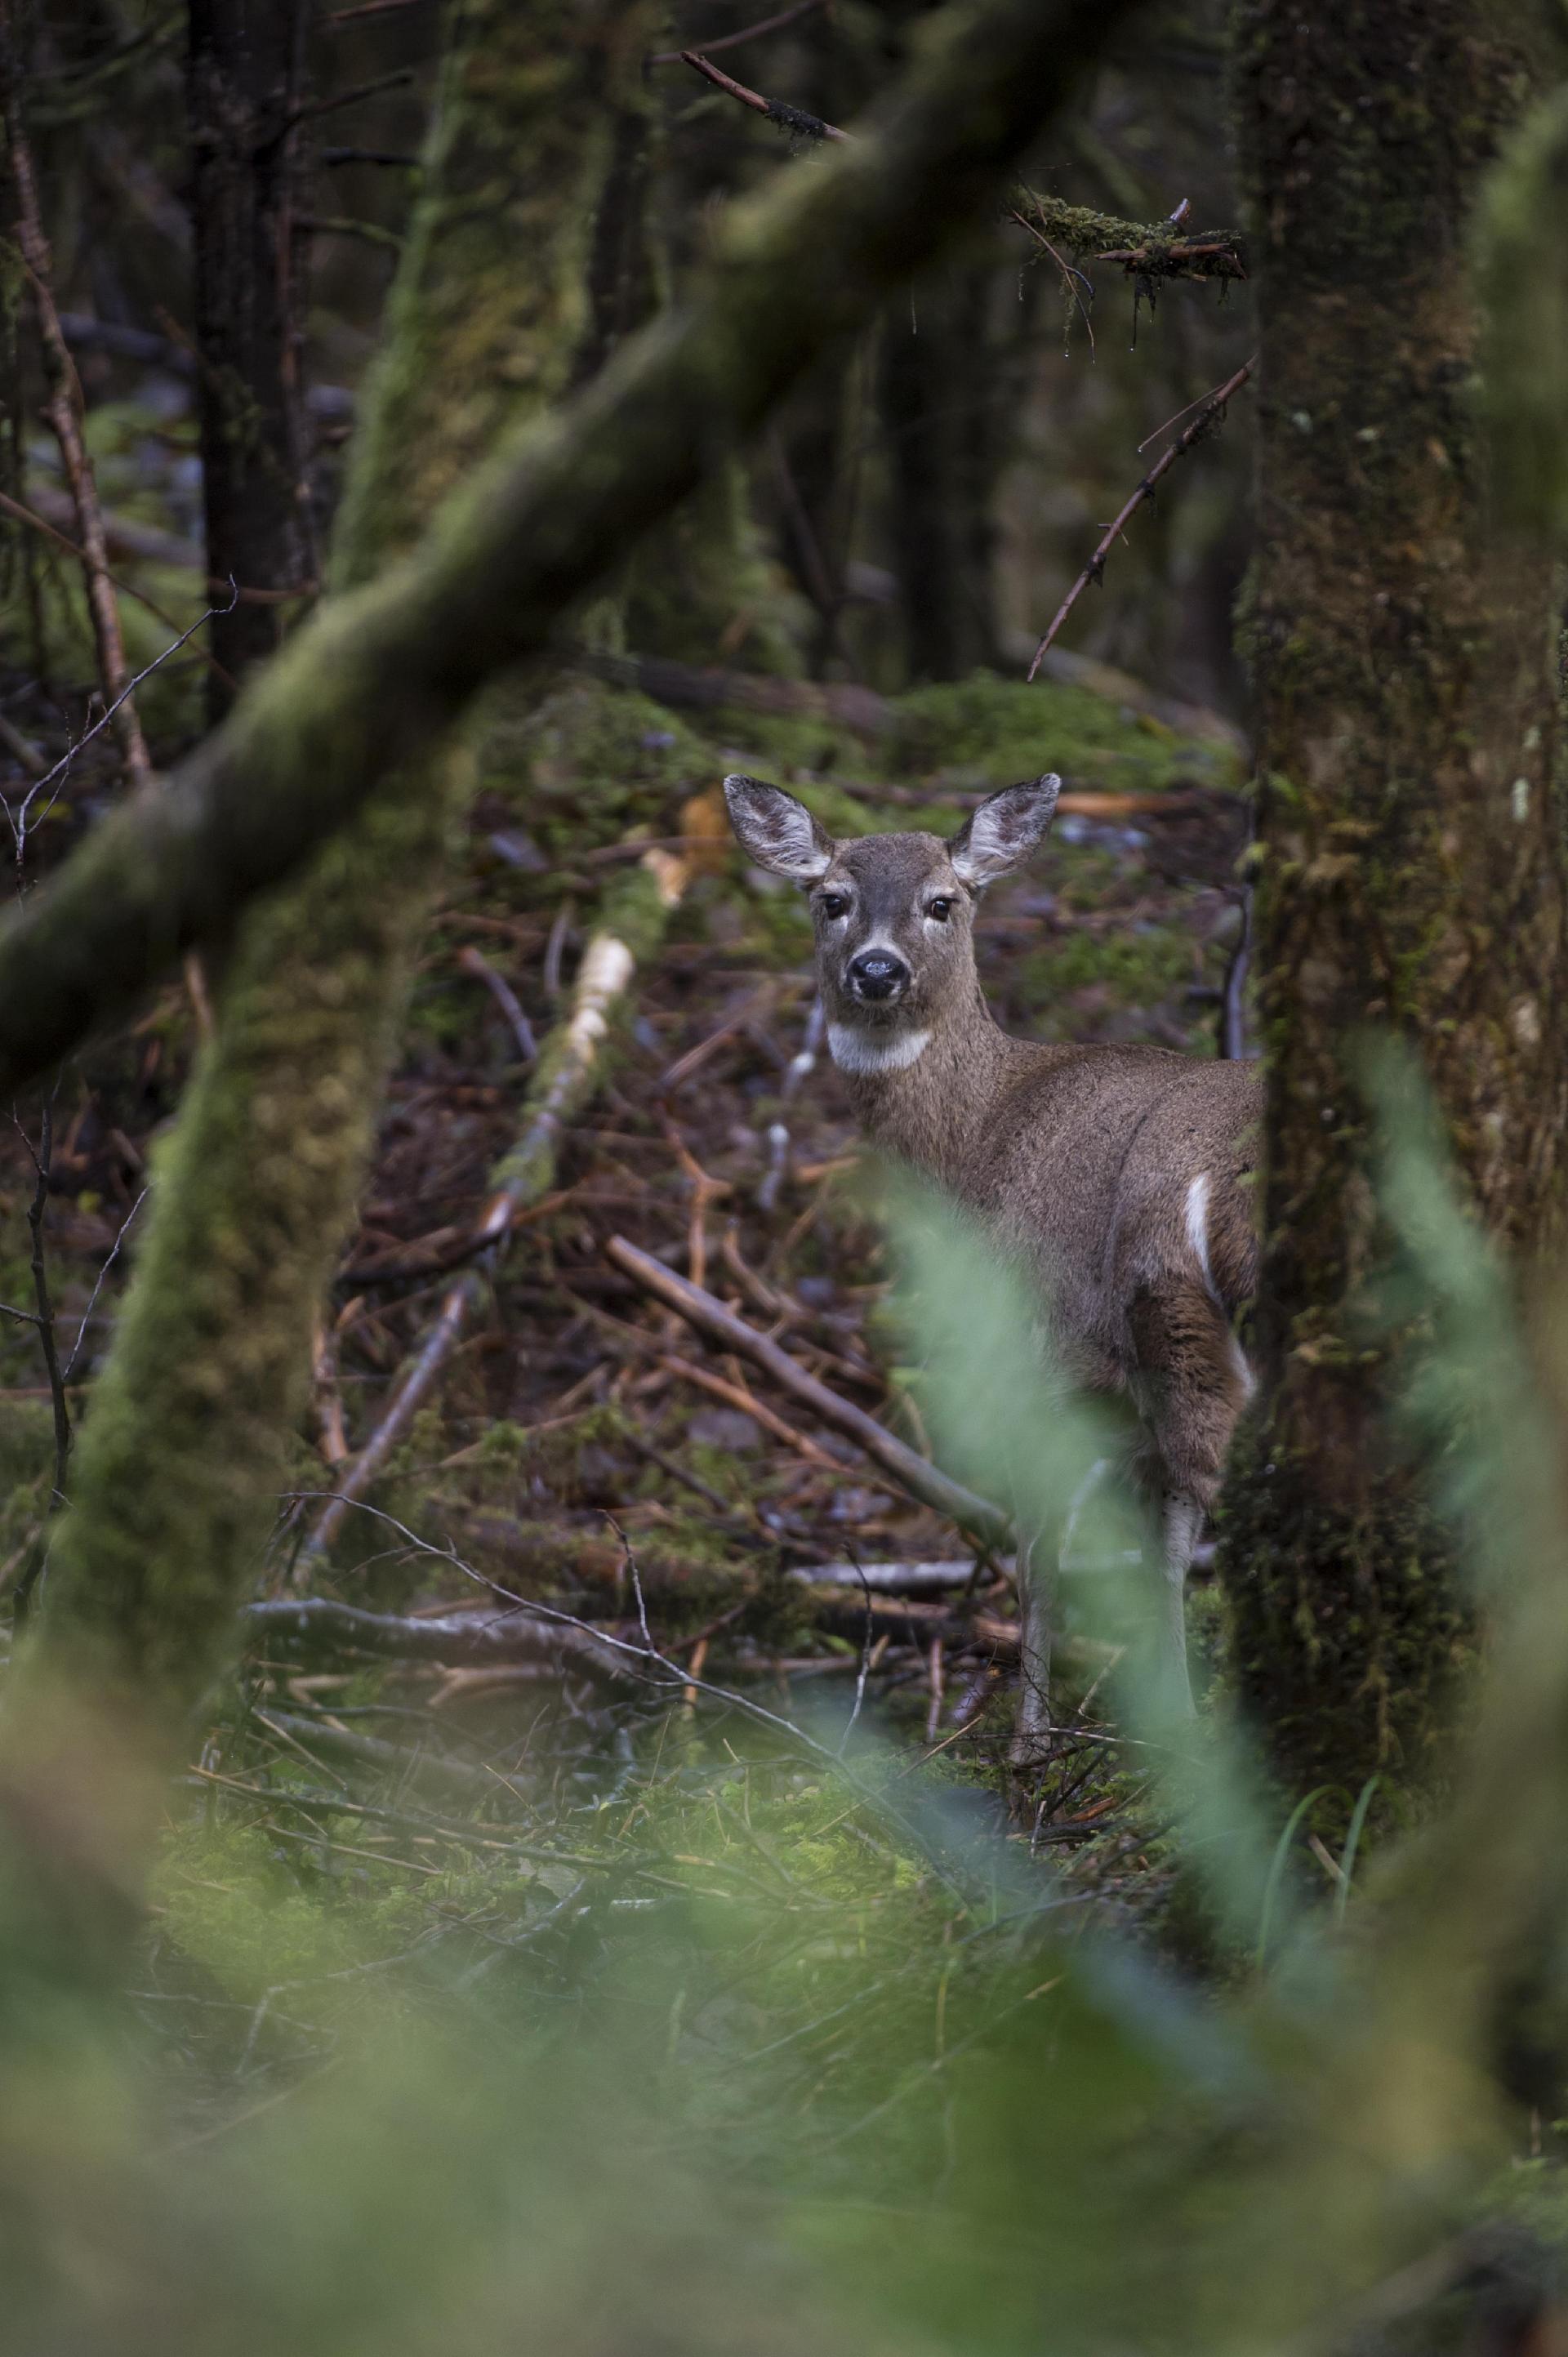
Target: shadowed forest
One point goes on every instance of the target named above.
(783, 1363)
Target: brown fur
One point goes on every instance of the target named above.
(1117, 1174)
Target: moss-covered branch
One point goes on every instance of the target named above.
(381, 675)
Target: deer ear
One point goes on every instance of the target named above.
(1004, 831)
(777, 831)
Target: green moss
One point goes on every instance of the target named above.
(586, 761)
(1131, 970)
(1007, 730)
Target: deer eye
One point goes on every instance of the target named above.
(940, 909)
(832, 904)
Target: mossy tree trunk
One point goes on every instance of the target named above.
(183, 1454)
(1412, 871)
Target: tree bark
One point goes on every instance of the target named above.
(940, 415)
(244, 74)
(1412, 862)
(182, 1457)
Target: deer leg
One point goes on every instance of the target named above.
(1183, 1522)
(1035, 1576)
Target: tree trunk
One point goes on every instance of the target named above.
(182, 1456)
(1412, 862)
(939, 413)
(244, 74)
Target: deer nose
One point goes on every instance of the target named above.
(877, 973)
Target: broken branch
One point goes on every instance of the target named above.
(1212, 410)
(566, 1074)
(787, 118)
(710, 1317)
(63, 411)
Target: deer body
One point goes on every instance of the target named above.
(1115, 1175)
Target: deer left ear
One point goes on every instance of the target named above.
(1003, 832)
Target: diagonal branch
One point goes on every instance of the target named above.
(1213, 409)
(787, 118)
(63, 412)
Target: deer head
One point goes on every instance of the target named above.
(893, 913)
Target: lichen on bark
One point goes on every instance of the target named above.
(1410, 864)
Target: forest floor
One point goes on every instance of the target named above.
(586, 1451)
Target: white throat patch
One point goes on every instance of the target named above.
(853, 1050)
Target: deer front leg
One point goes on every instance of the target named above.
(1035, 1576)
(1183, 1524)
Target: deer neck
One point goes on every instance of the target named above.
(923, 1095)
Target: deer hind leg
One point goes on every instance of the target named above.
(1192, 1384)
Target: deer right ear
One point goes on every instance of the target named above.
(777, 831)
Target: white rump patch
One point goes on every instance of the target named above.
(1198, 1228)
(853, 1050)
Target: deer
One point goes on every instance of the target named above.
(1115, 1176)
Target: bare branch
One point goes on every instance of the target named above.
(564, 1078)
(787, 118)
(19, 823)
(1211, 412)
(912, 1472)
(746, 33)
(63, 412)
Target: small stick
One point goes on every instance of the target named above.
(787, 118)
(710, 1317)
(1212, 409)
(474, 962)
(521, 1177)
(62, 412)
(937, 1684)
(746, 33)
(736, 1395)
(802, 1066)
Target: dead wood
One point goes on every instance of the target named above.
(63, 411)
(565, 1073)
(467, 1639)
(1209, 416)
(913, 1473)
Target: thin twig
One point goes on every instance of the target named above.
(474, 962)
(520, 1179)
(63, 412)
(1212, 410)
(398, 80)
(19, 823)
(746, 33)
(1072, 277)
(72, 1361)
(801, 1068)
(787, 118)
